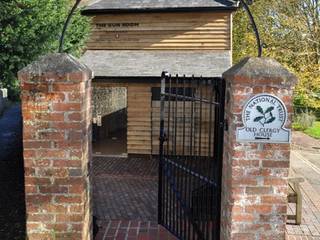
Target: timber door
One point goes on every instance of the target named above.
(191, 145)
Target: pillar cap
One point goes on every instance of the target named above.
(59, 64)
(254, 70)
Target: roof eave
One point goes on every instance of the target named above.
(91, 12)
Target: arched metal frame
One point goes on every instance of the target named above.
(64, 30)
(243, 2)
(254, 26)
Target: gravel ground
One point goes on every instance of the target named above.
(12, 207)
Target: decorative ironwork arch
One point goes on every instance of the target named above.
(66, 24)
(246, 4)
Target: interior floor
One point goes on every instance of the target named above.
(114, 144)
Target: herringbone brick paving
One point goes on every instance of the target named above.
(119, 166)
(125, 189)
(125, 199)
(125, 202)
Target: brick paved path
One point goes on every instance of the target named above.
(125, 202)
(125, 189)
(133, 167)
(310, 227)
(125, 199)
(133, 230)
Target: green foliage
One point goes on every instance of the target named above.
(307, 91)
(314, 131)
(30, 28)
(304, 121)
(290, 31)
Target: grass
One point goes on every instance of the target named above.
(314, 131)
(297, 127)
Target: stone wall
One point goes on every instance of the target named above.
(110, 103)
(108, 100)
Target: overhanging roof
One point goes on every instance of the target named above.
(117, 6)
(111, 63)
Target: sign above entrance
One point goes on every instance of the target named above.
(118, 25)
(264, 117)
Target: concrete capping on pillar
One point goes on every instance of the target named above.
(260, 71)
(56, 110)
(254, 182)
(56, 67)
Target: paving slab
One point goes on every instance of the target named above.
(303, 166)
(302, 141)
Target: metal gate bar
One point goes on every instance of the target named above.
(191, 144)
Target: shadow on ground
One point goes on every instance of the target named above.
(12, 205)
(125, 188)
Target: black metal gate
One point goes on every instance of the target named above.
(191, 145)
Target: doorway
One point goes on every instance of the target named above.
(109, 121)
(125, 186)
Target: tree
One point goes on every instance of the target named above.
(290, 31)
(30, 28)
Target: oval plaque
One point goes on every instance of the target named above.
(264, 117)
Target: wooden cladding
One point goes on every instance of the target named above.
(202, 147)
(139, 119)
(161, 31)
(143, 123)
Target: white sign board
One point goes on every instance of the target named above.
(264, 117)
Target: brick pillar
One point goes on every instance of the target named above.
(56, 94)
(254, 184)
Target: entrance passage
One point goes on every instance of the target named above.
(109, 121)
(191, 141)
(125, 198)
(125, 188)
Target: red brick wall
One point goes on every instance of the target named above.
(254, 184)
(56, 94)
